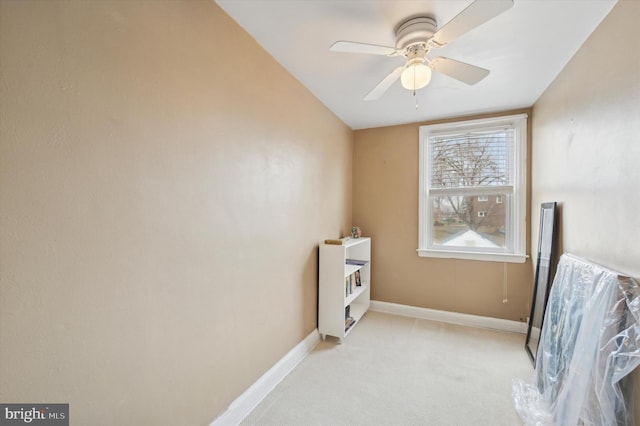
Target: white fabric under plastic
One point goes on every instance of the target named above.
(589, 344)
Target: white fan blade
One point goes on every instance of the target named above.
(476, 14)
(384, 84)
(369, 49)
(461, 71)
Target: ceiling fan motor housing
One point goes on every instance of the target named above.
(415, 30)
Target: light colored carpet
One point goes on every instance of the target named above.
(394, 370)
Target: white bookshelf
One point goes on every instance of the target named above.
(333, 293)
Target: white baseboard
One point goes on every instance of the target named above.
(450, 317)
(245, 403)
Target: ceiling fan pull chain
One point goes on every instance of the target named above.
(414, 87)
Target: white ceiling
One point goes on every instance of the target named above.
(525, 48)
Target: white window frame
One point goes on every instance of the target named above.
(516, 218)
(483, 198)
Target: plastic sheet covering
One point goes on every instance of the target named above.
(589, 344)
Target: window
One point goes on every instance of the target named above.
(473, 189)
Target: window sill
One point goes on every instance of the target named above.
(467, 255)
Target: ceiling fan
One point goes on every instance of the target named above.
(416, 37)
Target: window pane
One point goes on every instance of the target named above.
(471, 160)
(464, 221)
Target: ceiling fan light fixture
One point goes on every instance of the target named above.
(417, 36)
(415, 76)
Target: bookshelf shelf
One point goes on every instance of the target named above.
(344, 286)
(356, 293)
(351, 269)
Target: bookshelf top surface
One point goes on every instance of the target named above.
(354, 241)
(350, 242)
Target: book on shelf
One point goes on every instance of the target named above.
(357, 279)
(356, 262)
(349, 283)
(348, 323)
(337, 242)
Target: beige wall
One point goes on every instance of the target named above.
(385, 206)
(164, 184)
(586, 148)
